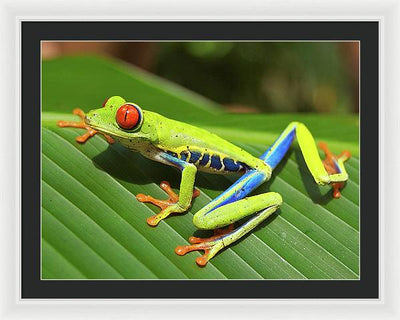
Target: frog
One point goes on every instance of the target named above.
(191, 149)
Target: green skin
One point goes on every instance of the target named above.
(157, 136)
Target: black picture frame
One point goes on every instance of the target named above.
(33, 32)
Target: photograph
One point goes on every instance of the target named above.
(200, 160)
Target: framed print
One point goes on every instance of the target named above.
(75, 238)
(214, 97)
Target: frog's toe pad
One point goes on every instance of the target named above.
(153, 220)
(336, 189)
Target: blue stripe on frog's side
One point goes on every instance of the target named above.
(194, 156)
(184, 155)
(216, 162)
(204, 160)
(233, 166)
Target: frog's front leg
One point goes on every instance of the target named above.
(81, 124)
(175, 203)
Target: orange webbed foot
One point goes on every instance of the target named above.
(210, 245)
(81, 124)
(330, 164)
(217, 234)
(162, 204)
(205, 246)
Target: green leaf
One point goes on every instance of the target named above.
(94, 228)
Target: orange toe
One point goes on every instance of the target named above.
(330, 166)
(82, 125)
(201, 261)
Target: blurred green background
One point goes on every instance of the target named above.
(245, 76)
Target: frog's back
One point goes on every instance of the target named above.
(208, 151)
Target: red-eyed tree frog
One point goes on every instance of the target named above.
(190, 149)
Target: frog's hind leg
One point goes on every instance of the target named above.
(263, 205)
(332, 171)
(217, 233)
(81, 124)
(204, 218)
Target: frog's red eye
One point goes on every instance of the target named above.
(104, 103)
(128, 116)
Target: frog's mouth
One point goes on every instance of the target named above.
(90, 123)
(87, 120)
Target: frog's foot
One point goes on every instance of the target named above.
(217, 233)
(81, 124)
(210, 245)
(164, 205)
(331, 165)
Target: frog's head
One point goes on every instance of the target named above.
(123, 121)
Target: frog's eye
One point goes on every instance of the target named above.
(129, 116)
(104, 103)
